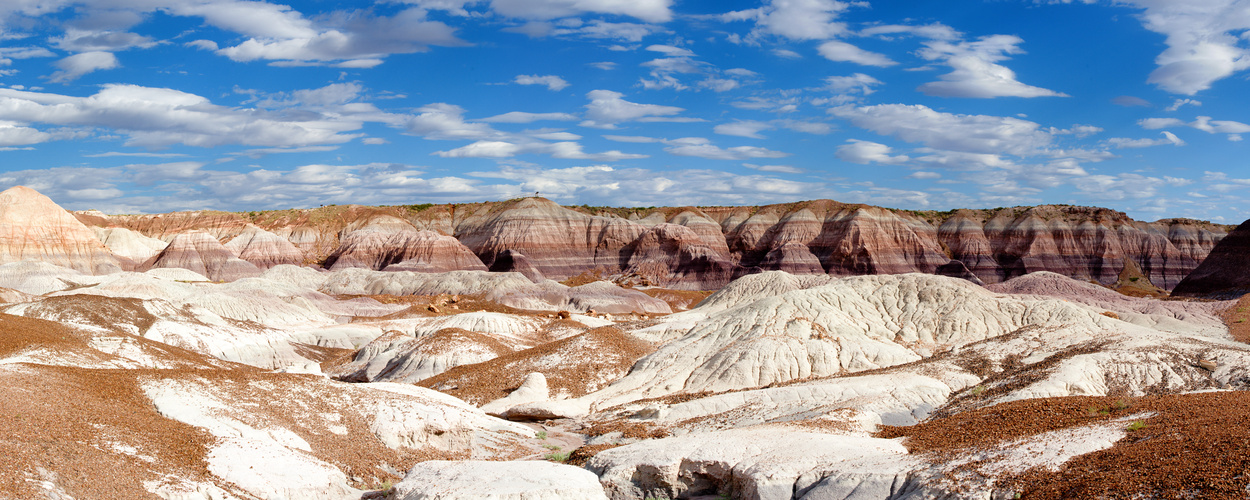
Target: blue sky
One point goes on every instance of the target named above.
(156, 105)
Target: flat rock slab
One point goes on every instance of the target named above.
(483, 480)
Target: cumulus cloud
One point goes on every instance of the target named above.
(839, 51)
(781, 169)
(77, 65)
(552, 82)
(865, 152)
(933, 31)
(955, 132)
(563, 150)
(1234, 129)
(442, 121)
(653, 11)
(523, 117)
(857, 83)
(350, 39)
(1203, 42)
(1181, 102)
(1168, 138)
(75, 40)
(159, 117)
(795, 19)
(976, 69)
(703, 148)
(742, 128)
(607, 108)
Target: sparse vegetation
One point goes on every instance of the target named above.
(1136, 425)
(557, 456)
(541, 435)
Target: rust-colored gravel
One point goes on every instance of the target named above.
(576, 366)
(1196, 446)
(1237, 318)
(679, 300)
(581, 455)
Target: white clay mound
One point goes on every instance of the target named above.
(852, 324)
(473, 480)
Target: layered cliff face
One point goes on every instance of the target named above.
(33, 227)
(198, 251)
(389, 243)
(1080, 242)
(704, 247)
(558, 242)
(264, 249)
(1224, 273)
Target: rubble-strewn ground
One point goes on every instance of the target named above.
(157, 384)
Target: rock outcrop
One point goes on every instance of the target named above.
(1225, 272)
(513, 261)
(33, 227)
(704, 247)
(389, 243)
(200, 252)
(676, 257)
(264, 249)
(559, 242)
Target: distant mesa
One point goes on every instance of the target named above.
(692, 248)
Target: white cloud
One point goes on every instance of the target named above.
(924, 175)
(552, 82)
(654, 11)
(865, 152)
(742, 128)
(795, 19)
(607, 108)
(604, 30)
(1079, 131)
(352, 40)
(976, 69)
(203, 45)
(834, 50)
(77, 65)
(1158, 123)
(857, 83)
(75, 40)
(12, 134)
(1206, 124)
(955, 132)
(703, 148)
(604, 65)
(1203, 123)
(1202, 39)
(158, 117)
(442, 121)
(1168, 138)
(562, 150)
(934, 31)
(523, 117)
(1181, 102)
(671, 51)
(781, 169)
(787, 54)
(637, 139)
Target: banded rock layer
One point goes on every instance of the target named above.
(704, 248)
